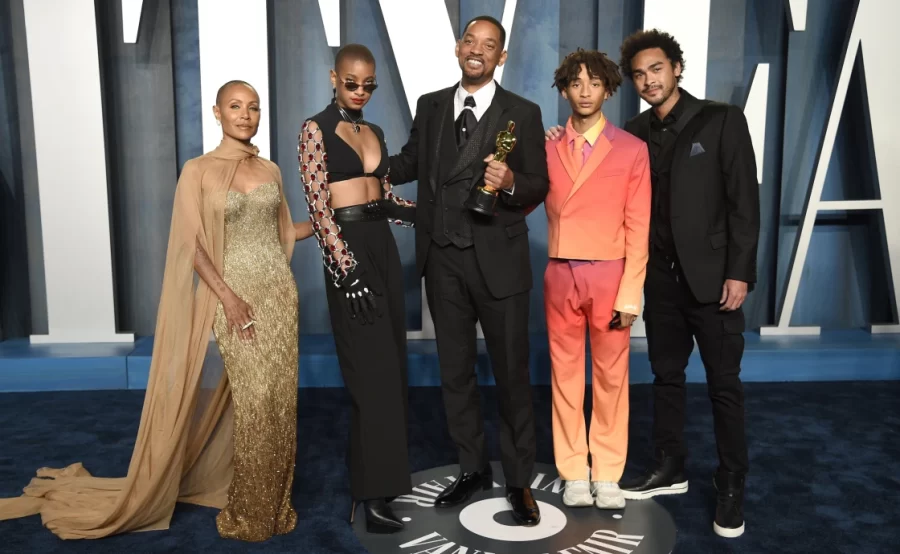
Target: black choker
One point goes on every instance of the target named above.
(353, 117)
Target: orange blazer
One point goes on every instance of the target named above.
(603, 211)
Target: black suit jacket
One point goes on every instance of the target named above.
(714, 197)
(431, 157)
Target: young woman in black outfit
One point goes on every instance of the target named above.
(344, 170)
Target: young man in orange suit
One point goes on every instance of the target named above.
(598, 212)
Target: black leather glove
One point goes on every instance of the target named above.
(360, 297)
(406, 214)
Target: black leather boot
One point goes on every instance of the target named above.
(465, 486)
(667, 478)
(729, 521)
(379, 516)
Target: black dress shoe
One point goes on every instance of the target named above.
(667, 478)
(729, 521)
(465, 486)
(379, 516)
(524, 507)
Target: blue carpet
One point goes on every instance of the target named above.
(822, 456)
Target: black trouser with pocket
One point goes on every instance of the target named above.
(458, 298)
(373, 362)
(674, 318)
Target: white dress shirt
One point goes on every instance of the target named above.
(483, 98)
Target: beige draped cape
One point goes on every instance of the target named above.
(183, 450)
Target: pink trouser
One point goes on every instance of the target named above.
(579, 295)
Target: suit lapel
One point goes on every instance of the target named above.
(487, 128)
(692, 120)
(680, 153)
(562, 148)
(444, 141)
(644, 127)
(602, 146)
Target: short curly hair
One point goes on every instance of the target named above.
(598, 66)
(645, 40)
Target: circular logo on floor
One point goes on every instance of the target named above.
(485, 523)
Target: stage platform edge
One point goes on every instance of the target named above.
(849, 355)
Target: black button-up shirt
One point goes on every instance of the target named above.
(662, 146)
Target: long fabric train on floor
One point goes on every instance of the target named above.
(183, 451)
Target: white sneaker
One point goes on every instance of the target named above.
(607, 495)
(577, 494)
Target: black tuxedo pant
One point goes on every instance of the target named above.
(673, 320)
(458, 297)
(372, 358)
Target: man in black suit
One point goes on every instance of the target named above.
(477, 267)
(703, 238)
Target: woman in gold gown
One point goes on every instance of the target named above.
(256, 331)
(232, 446)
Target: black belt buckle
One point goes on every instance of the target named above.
(372, 207)
(374, 211)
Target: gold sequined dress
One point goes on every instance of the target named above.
(262, 372)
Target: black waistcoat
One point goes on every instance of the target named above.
(452, 220)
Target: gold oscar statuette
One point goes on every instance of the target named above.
(483, 199)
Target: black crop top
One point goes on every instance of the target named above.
(343, 162)
(320, 167)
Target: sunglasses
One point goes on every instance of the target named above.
(351, 86)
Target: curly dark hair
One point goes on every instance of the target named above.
(644, 40)
(598, 66)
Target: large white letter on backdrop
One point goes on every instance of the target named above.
(64, 68)
(870, 34)
(221, 61)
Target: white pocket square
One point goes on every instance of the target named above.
(697, 149)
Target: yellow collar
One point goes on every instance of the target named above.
(591, 135)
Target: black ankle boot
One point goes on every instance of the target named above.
(729, 521)
(667, 478)
(379, 516)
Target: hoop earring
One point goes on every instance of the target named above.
(218, 123)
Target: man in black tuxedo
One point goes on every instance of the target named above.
(477, 267)
(703, 238)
